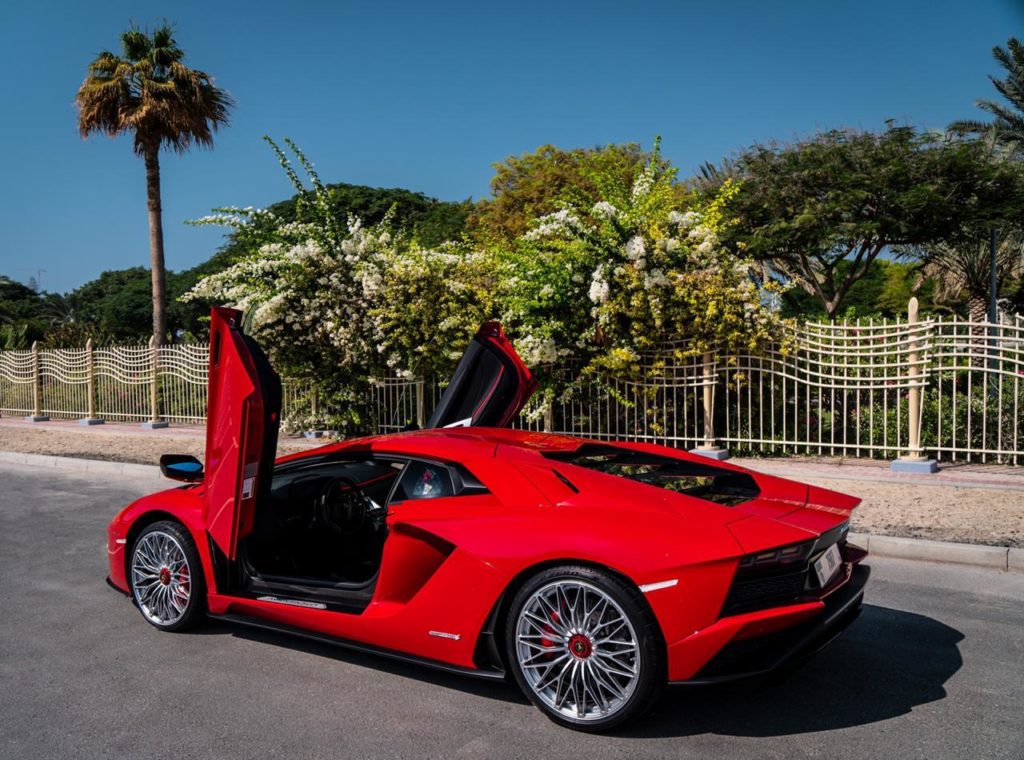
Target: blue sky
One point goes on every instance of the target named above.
(428, 95)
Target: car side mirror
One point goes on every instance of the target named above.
(183, 467)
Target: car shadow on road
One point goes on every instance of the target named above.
(884, 665)
(498, 690)
(881, 667)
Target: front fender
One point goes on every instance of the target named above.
(183, 505)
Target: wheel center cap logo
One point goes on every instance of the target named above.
(165, 576)
(580, 646)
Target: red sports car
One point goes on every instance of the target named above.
(593, 573)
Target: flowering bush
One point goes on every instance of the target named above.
(342, 304)
(603, 283)
(629, 275)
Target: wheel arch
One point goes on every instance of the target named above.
(151, 516)
(490, 651)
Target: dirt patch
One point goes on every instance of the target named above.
(977, 514)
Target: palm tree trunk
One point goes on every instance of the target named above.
(156, 242)
(977, 310)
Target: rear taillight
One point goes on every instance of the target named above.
(781, 558)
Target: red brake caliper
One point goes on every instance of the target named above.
(549, 631)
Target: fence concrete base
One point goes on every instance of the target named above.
(712, 453)
(916, 466)
(319, 433)
(91, 421)
(37, 418)
(155, 425)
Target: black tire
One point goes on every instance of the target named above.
(165, 576)
(620, 682)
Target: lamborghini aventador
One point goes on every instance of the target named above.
(590, 573)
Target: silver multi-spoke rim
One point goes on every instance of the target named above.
(577, 650)
(161, 578)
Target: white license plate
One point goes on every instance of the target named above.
(827, 564)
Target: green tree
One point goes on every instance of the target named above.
(534, 184)
(22, 313)
(821, 211)
(150, 93)
(883, 292)
(1007, 125)
(118, 304)
(962, 268)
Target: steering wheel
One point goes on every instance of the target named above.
(342, 506)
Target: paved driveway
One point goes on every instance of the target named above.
(933, 668)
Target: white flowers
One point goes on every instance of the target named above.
(554, 224)
(644, 183)
(635, 248)
(655, 279)
(685, 219)
(605, 210)
(599, 290)
(536, 351)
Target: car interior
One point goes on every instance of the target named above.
(323, 524)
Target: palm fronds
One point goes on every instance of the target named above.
(149, 92)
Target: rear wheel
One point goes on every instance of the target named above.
(584, 647)
(166, 577)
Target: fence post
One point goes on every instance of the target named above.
(549, 415)
(709, 448)
(421, 416)
(37, 389)
(90, 369)
(914, 460)
(155, 423)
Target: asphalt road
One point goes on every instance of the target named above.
(934, 668)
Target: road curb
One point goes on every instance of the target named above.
(75, 464)
(920, 549)
(994, 557)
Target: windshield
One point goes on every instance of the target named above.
(704, 481)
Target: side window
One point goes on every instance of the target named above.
(422, 480)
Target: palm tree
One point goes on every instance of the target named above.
(149, 92)
(964, 268)
(1007, 126)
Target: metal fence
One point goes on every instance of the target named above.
(951, 388)
(947, 388)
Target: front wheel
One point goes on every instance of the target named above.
(166, 577)
(584, 647)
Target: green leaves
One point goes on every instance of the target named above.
(846, 195)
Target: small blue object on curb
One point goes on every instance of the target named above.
(917, 466)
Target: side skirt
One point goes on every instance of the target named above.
(267, 625)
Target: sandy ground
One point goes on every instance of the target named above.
(967, 506)
(983, 505)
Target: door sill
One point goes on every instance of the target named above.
(295, 593)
